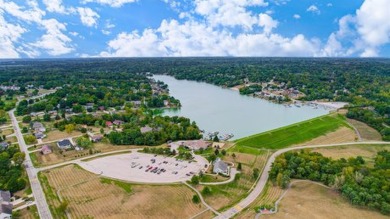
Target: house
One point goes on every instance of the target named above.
(96, 138)
(64, 144)
(89, 106)
(136, 103)
(220, 167)
(38, 127)
(108, 123)
(4, 145)
(194, 145)
(46, 150)
(5, 205)
(146, 129)
(118, 122)
(39, 135)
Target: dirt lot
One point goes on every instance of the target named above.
(366, 131)
(308, 200)
(341, 135)
(89, 197)
(366, 151)
(58, 135)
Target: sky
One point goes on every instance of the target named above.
(180, 28)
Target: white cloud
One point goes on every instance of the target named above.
(267, 23)
(112, 3)
(296, 16)
(88, 16)
(54, 41)
(229, 13)
(56, 6)
(198, 39)
(10, 33)
(314, 9)
(34, 14)
(329, 5)
(363, 33)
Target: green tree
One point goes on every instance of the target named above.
(26, 119)
(206, 191)
(195, 180)
(256, 173)
(195, 199)
(239, 166)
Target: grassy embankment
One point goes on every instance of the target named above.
(290, 135)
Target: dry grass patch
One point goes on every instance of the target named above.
(366, 132)
(341, 135)
(12, 139)
(308, 200)
(7, 131)
(58, 135)
(89, 197)
(368, 152)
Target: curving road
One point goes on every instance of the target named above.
(40, 200)
(264, 176)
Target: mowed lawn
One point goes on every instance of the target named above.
(293, 134)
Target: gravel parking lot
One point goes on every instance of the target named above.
(145, 168)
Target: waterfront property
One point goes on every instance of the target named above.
(194, 145)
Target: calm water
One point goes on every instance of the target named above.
(217, 109)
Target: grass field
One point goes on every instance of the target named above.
(90, 196)
(308, 200)
(368, 152)
(293, 134)
(27, 213)
(366, 131)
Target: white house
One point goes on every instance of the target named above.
(220, 167)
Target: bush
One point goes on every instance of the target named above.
(196, 199)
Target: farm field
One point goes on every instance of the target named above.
(294, 134)
(368, 152)
(308, 200)
(341, 135)
(90, 196)
(367, 133)
(226, 195)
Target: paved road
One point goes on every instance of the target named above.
(264, 176)
(40, 200)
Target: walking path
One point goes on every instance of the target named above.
(40, 199)
(264, 176)
(233, 173)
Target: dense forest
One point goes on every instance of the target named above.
(12, 175)
(364, 83)
(361, 184)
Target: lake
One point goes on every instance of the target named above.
(220, 109)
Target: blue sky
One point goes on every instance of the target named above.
(135, 28)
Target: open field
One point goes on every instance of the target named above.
(366, 131)
(226, 195)
(7, 131)
(308, 200)
(341, 135)
(294, 134)
(90, 196)
(58, 135)
(368, 152)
